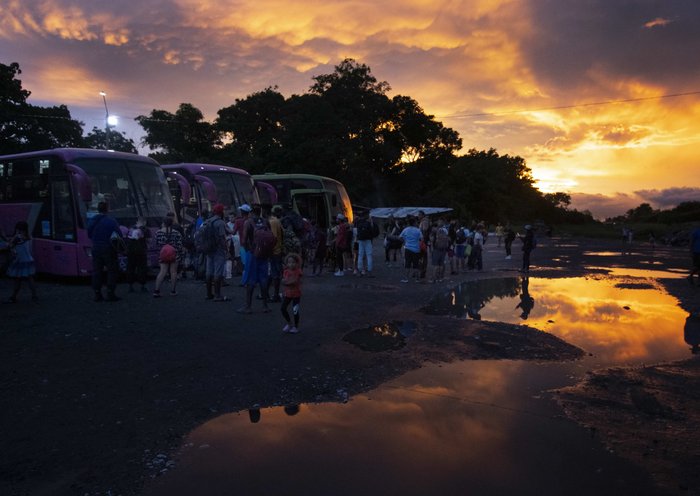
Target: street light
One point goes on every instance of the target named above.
(109, 120)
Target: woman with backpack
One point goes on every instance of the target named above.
(169, 242)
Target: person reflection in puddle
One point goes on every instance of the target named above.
(291, 410)
(691, 332)
(527, 302)
(254, 414)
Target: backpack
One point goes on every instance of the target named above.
(290, 240)
(168, 254)
(205, 238)
(365, 230)
(460, 238)
(442, 240)
(264, 242)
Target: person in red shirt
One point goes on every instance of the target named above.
(291, 280)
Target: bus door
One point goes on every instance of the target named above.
(313, 204)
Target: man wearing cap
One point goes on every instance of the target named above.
(528, 245)
(216, 260)
(238, 228)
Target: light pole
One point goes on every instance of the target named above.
(104, 99)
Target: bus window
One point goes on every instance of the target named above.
(246, 189)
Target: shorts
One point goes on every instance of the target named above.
(459, 251)
(438, 257)
(412, 259)
(215, 264)
(258, 271)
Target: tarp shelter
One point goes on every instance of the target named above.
(401, 212)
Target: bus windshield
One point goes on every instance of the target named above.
(131, 188)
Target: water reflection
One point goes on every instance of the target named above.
(437, 430)
(619, 323)
(691, 333)
(382, 337)
(646, 273)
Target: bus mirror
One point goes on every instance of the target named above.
(208, 186)
(81, 182)
(185, 190)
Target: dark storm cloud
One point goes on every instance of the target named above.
(670, 197)
(655, 42)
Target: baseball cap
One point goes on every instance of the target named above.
(245, 208)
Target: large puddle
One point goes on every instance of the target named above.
(471, 427)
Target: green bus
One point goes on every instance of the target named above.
(315, 197)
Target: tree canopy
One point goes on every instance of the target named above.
(25, 127)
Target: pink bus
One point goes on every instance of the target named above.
(198, 187)
(57, 191)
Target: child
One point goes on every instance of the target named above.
(291, 280)
(22, 266)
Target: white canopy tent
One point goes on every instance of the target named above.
(401, 212)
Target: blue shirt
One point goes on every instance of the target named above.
(412, 236)
(100, 231)
(695, 240)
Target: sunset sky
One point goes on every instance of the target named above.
(601, 97)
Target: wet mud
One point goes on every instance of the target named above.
(103, 394)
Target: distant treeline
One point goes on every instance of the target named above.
(683, 213)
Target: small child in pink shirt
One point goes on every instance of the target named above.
(291, 281)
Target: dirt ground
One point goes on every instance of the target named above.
(95, 392)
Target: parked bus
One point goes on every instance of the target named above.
(198, 187)
(57, 191)
(316, 198)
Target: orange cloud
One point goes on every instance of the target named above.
(659, 21)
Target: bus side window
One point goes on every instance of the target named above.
(334, 200)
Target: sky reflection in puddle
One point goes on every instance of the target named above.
(617, 271)
(473, 427)
(619, 325)
(469, 427)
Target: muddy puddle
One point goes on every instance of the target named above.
(469, 427)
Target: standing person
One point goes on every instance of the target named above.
(500, 232)
(461, 236)
(425, 228)
(317, 240)
(169, 244)
(694, 254)
(343, 237)
(412, 238)
(392, 242)
(216, 257)
(261, 244)
(22, 265)
(276, 258)
(137, 255)
(291, 280)
(367, 230)
(508, 241)
(102, 228)
(528, 245)
(238, 229)
(441, 243)
(478, 248)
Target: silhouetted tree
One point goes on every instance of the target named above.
(25, 127)
(117, 141)
(180, 137)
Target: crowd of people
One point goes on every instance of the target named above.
(270, 249)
